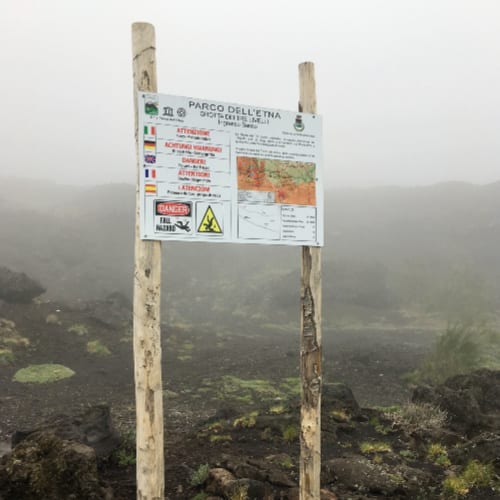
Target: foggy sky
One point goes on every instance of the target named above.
(409, 90)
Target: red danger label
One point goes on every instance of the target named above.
(173, 208)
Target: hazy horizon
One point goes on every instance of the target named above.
(327, 188)
(407, 90)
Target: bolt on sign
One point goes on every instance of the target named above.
(215, 171)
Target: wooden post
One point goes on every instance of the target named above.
(147, 283)
(310, 348)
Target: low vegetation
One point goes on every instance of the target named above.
(79, 328)
(368, 447)
(418, 417)
(246, 421)
(10, 340)
(6, 356)
(200, 475)
(438, 454)
(125, 454)
(463, 347)
(247, 391)
(52, 319)
(290, 433)
(217, 438)
(97, 348)
(474, 475)
(42, 374)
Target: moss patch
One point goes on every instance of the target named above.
(170, 394)
(246, 421)
(42, 374)
(277, 409)
(249, 390)
(52, 319)
(291, 433)
(78, 328)
(340, 415)
(6, 356)
(97, 348)
(217, 438)
(291, 386)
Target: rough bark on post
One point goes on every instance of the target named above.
(147, 283)
(310, 348)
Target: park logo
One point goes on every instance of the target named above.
(298, 125)
(151, 107)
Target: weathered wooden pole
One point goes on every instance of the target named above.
(147, 284)
(310, 347)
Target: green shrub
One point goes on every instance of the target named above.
(124, 458)
(200, 475)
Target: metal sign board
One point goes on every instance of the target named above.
(216, 171)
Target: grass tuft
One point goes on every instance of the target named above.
(375, 447)
(462, 348)
(475, 474)
(422, 417)
(438, 454)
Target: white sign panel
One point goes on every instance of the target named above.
(216, 171)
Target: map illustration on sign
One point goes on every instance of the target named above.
(216, 171)
(288, 182)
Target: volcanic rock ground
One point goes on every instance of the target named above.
(201, 365)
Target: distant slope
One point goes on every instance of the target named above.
(383, 246)
(444, 221)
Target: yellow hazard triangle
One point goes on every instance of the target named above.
(209, 223)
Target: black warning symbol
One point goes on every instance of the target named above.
(209, 223)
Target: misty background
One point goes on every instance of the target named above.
(409, 95)
(408, 89)
(421, 256)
